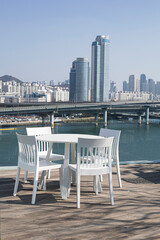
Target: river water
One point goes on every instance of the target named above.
(137, 142)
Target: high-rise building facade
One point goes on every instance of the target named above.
(151, 86)
(52, 83)
(72, 80)
(125, 86)
(132, 83)
(79, 80)
(143, 83)
(100, 69)
(158, 88)
(113, 87)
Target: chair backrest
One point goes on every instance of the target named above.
(94, 153)
(36, 131)
(112, 133)
(28, 154)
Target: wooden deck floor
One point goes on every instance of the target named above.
(135, 215)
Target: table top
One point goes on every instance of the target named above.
(66, 138)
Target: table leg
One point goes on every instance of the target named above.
(65, 183)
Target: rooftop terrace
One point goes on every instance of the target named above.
(135, 215)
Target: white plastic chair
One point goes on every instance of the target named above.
(115, 148)
(42, 147)
(28, 160)
(93, 159)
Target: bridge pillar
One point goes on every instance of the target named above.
(52, 120)
(105, 118)
(147, 116)
(139, 119)
(43, 120)
(96, 119)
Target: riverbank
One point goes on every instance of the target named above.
(82, 119)
(40, 122)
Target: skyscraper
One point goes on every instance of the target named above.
(79, 80)
(151, 86)
(125, 86)
(52, 83)
(113, 87)
(143, 83)
(100, 69)
(132, 83)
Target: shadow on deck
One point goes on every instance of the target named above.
(135, 215)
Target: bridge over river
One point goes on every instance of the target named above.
(139, 109)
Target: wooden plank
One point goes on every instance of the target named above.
(135, 215)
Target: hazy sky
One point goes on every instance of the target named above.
(39, 39)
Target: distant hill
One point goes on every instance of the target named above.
(7, 78)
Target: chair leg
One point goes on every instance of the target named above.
(78, 191)
(73, 161)
(69, 181)
(35, 187)
(96, 179)
(48, 174)
(118, 172)
(97, 184)
(25, 176)
(61, 177)
(111, 187)
(73, 177)
(41, 182)
(44, 180)
(94, 184)
(101, 178)
(16, 182)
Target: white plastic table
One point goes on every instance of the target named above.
(67, 139)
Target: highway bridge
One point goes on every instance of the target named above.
(140, 109)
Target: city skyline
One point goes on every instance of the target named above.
(39, 39)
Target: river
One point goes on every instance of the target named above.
(137, 142)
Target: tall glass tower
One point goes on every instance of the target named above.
(79, 80)
(100, 69)
(132, 83)
(143, 83)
